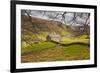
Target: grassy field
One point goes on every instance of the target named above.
(75, 39)
(48, 51)
(39, 46)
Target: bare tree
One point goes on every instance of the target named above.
(28, 13)
(71, 18)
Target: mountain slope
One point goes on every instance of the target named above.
(39, 28)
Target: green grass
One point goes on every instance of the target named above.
(71, 41)
(79, 51)
(68, 41)
(39, 46)
(59, 53)
(74, 39)
(47, 51)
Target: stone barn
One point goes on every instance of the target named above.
(55, 38)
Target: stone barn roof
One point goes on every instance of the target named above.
(54, 36)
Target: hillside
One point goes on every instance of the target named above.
(39, 28)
